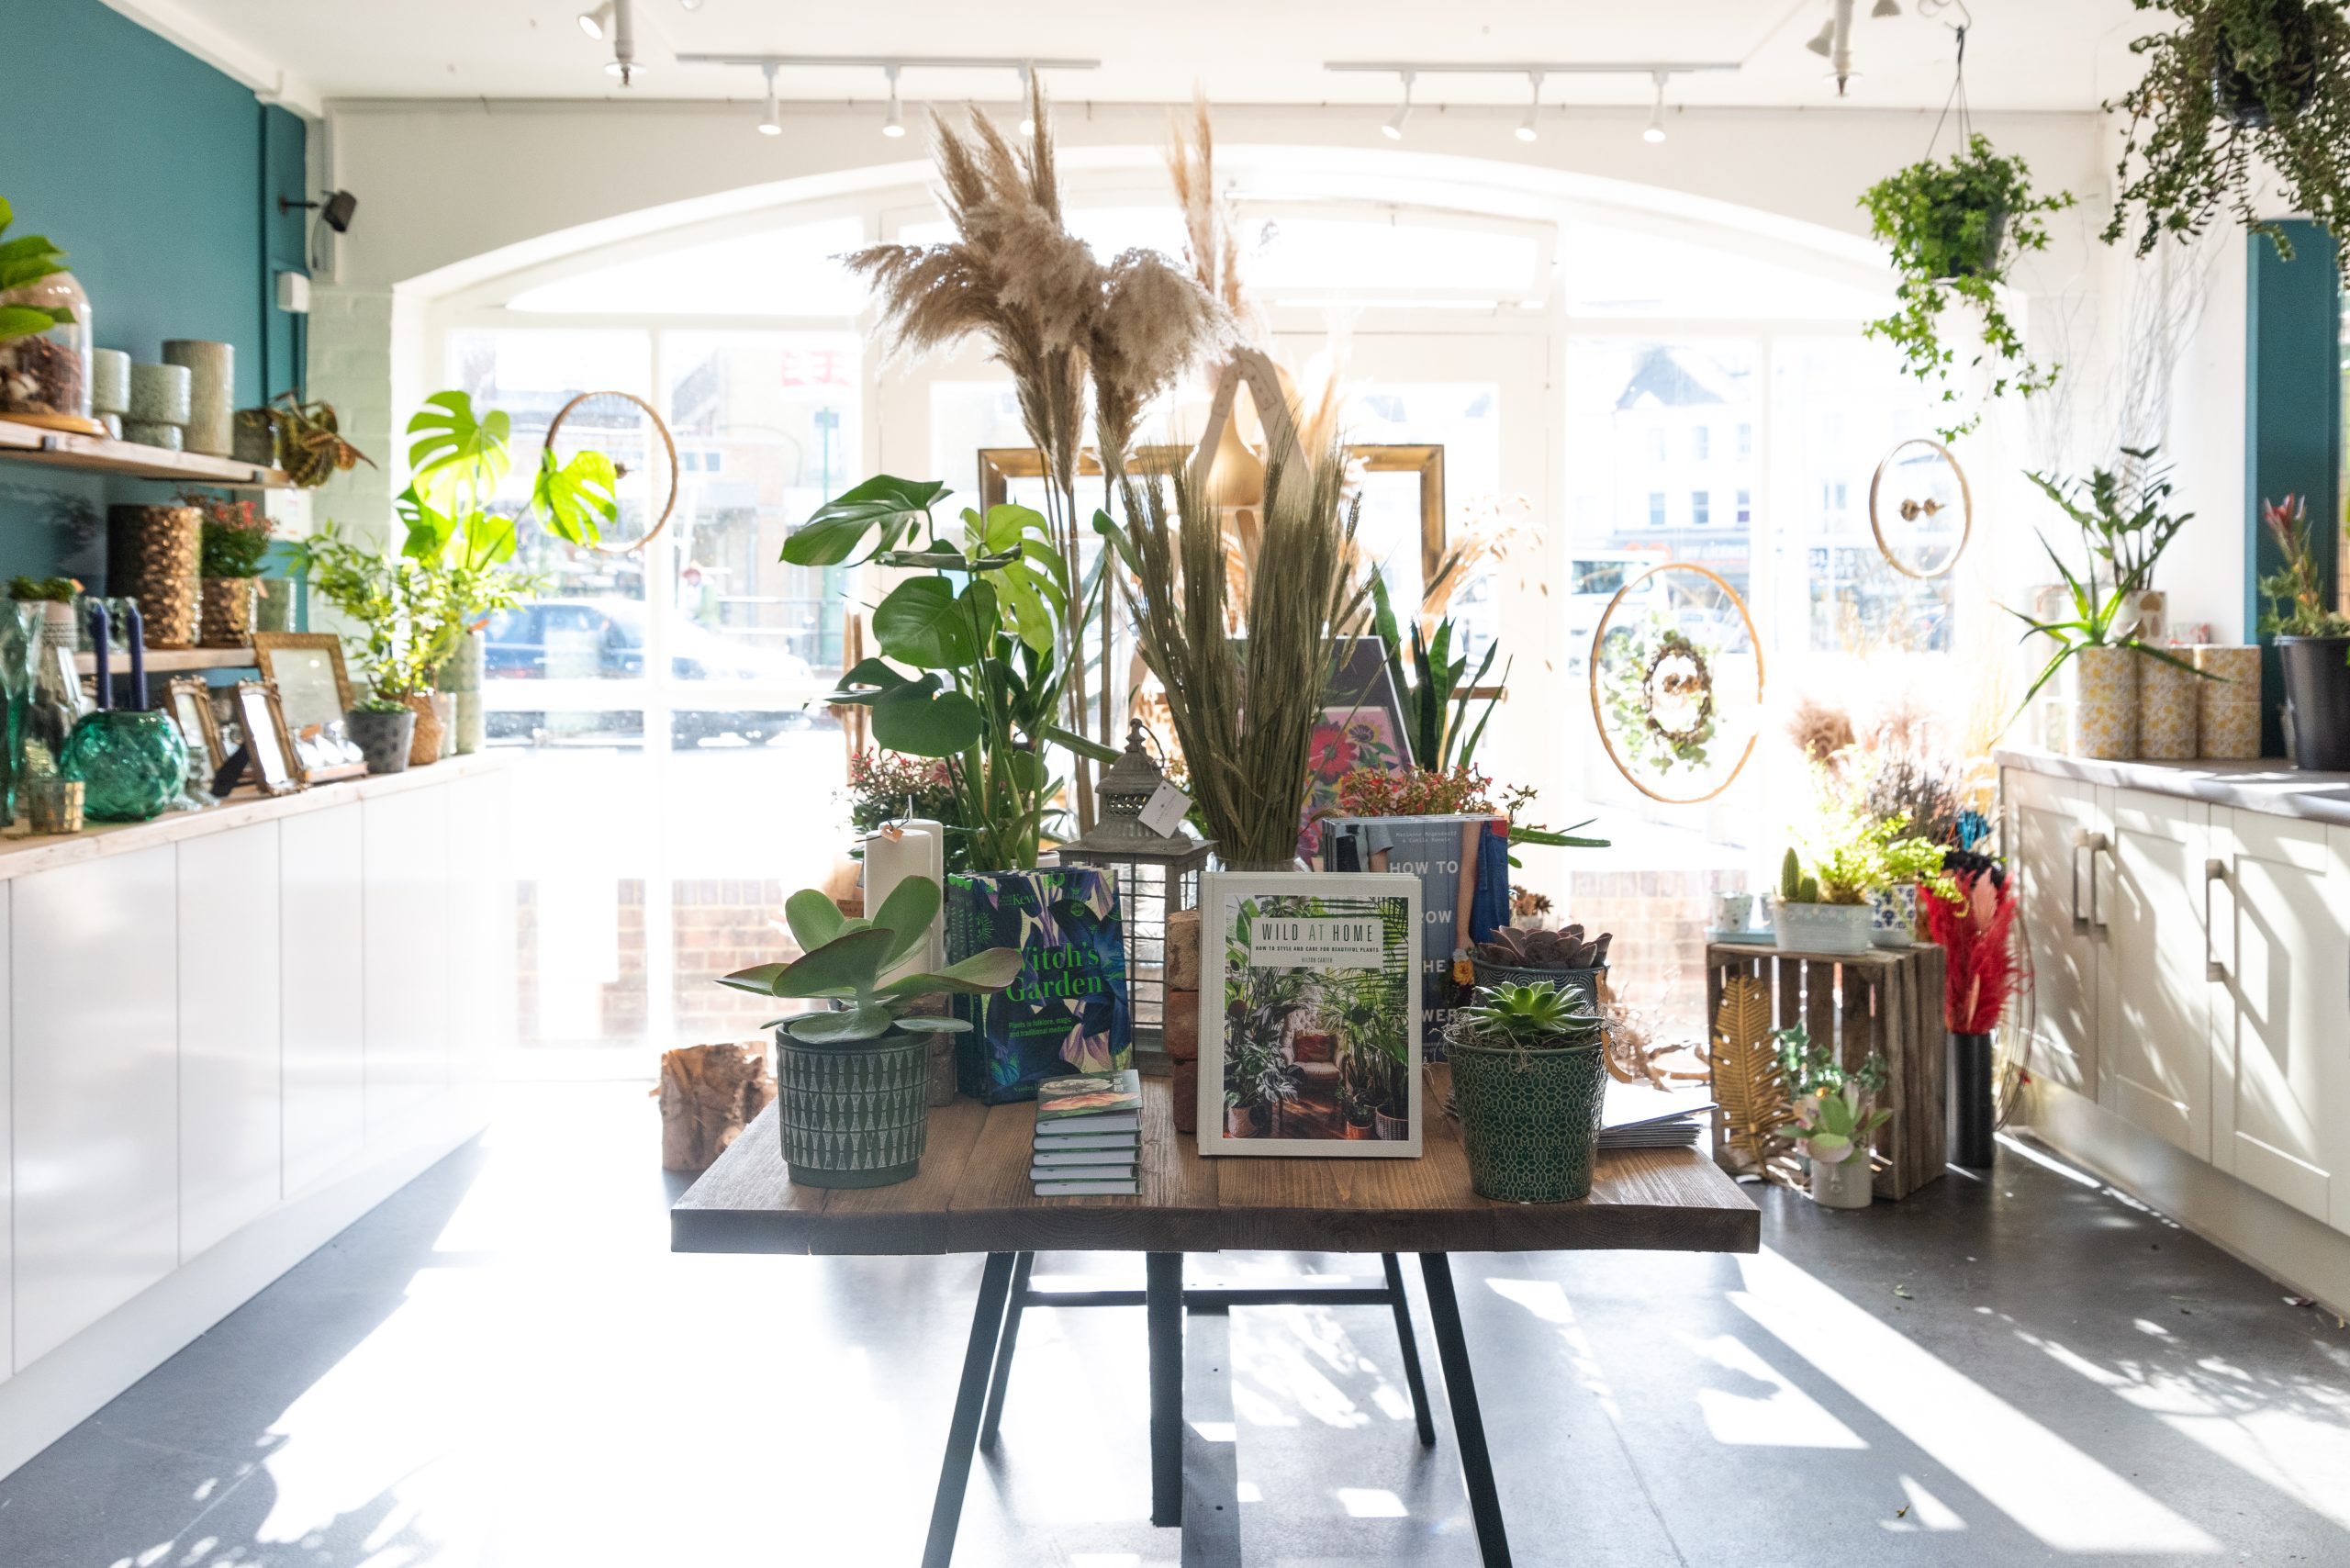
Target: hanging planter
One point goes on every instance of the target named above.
(2238, 86)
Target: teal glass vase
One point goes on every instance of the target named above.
(20, 631)
(131, 765)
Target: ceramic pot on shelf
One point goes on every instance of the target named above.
(425, 742)
(1827, 928)
(154, 553)
(460, 676)
(228, 616)
(1893, 916)
(2228, 721)
(385, 739)
(2317, 702)
(2169, 711)
(1843, 1185)
(212, 393)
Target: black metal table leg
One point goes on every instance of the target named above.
(962, 1432)
(1163, 1308)
(1468, 1424)
(1411, 1349)
(1022, 1263)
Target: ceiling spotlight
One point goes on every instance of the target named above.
(1394, 129)
(1027, 99)
(771, 122)
(1527, 129)
(1885, 8)
(1826, 40)
(1655, 131)
(595, 22)
(895, 125)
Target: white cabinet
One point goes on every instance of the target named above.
(229, 1091)
(94, 999)
(2282, 1078)
(7, 1164)
(2153, 1007)
(405, 850)
(480, 946)
(2053, 831)
(322, 978)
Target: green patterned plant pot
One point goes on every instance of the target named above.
(1583, 982)
(1529, 1119)
(853, 1116)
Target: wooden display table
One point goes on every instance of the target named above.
(973, 1194)
(1887, 999)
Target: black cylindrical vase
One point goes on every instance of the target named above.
(2317, 701)
(1972, 1108)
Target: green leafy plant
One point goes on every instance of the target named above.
(308, 439)
(1833, 1126)
(842, 959)
(464, 549)
(1810, 1066)
(1536, 1016)
(43, 590)
(983, 623)
(1955, 227)
(1439, 688)
(2296, 589)
(235, 536)
(392, 600)
(1862, 857)
(2096, 615)
(27, 259)
(2120, 515)
(2238, 86)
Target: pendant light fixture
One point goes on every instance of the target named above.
(894, 126)
(771, 122)
(1527, 129)
(619, 20)
(1027, 97)
(597, 22)
(1394, 129)
(1655, 131)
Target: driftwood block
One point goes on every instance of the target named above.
(1183, 950)
(709, 1094)
(1183, 1038)
(1888, 1001)
(1184, 1085)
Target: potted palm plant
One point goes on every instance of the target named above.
(2312, 641)
(852, 1081)
(1528, 1076)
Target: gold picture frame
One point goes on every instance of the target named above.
(1000, 465)
(292, 660)
(1427, 462)
(190, 703)
(269, 747)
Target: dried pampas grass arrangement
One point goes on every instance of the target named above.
(1244, 710)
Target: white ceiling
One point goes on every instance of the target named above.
(2022, 55)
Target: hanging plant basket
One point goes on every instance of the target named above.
(2236, 87)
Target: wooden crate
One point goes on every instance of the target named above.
(1888, 1001)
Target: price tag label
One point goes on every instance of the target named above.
(1164, 812)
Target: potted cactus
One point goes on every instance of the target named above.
(1822, 908)
(852, 1080)
(1528, 1075)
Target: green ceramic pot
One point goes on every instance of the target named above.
(1584, 983)
(1529, 1119)
(853, 1116)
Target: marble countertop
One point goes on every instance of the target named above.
(2270, 785)
(22, 852)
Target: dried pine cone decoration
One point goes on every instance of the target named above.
(309, 442)
(1564, 949)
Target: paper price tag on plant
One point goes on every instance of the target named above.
(1164, 812)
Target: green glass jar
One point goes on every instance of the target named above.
(131, 765)
(20, 634)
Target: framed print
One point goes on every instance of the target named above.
(269, 749)
(307, 670)
(1308, 1043)
(191, 708)
(1360, 725)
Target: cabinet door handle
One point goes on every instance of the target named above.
(2082, 838)
(2213, 871)
(2096, 843)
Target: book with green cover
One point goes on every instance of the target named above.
(1068, 1010)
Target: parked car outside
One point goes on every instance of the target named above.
(603, 639)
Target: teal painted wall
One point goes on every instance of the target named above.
(159, 177)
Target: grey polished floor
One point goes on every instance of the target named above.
(503, 1366)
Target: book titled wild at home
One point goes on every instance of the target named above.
(1068, 1010)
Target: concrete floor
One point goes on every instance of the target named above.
(503, 1366)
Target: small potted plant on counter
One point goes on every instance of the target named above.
(852, 1083)
(2313, 642)
(1824, 907)
(390, 600)
(1835, 1113)
(1528, 1074)
(1567, 958)
(234, 539)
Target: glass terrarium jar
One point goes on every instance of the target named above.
(45, 378)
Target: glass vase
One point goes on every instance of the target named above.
(20, 640)
(45, 377)
(131, 765)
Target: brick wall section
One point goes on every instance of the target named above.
(1660, 919)
(719, 927)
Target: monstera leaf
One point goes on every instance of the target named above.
(884, 506)
(578, 498)
(454, 446)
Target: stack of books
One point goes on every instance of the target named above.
(1088, 1135)
(1636, 1118)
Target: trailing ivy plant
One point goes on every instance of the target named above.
(2237, 85)
(1955, 227)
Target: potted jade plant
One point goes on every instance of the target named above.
(2236, 88)
(852, 1081)
(1955, 227)
(2313, 643)
(1835, 1112)
(1528, 1075)
(234, 539)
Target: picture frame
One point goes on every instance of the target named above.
(1309, 1038)
(306, 671)
(1360, 725)
(269, 749)
(190, 700)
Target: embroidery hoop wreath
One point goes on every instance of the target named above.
(1903, 509)
(1674, 642)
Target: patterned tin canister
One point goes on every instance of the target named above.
(1530, 1120)
(2105, 702)
(853, 1117)
(2169, 710)
(2229, 722)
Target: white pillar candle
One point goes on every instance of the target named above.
(897, 851)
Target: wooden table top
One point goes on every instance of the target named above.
(973, 1194)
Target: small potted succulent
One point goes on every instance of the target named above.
(1835, 1113)
(2313, 642)
(1528, 1075)
(1824, 906)
(1567, 958)
(852, 1081)
(55, 596)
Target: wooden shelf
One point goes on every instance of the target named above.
(98, 454)
(174, 661)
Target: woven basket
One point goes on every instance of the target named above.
(151, 555)
(853, 1116)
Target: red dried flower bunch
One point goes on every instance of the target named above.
(1976, 930)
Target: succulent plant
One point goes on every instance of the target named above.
(844, 961)
(1566, 949)
(1833, 1124)
(1528, 1015)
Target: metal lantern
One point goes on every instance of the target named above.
(1157, 875)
